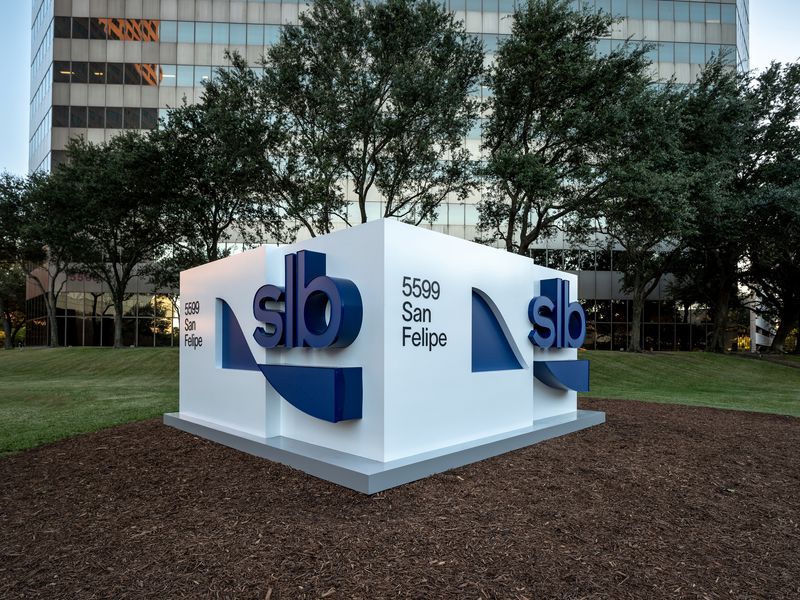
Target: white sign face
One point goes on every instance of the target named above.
(384, 342)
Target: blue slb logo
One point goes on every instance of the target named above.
(557, 323)
(318, 312)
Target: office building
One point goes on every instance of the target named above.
(102, 66)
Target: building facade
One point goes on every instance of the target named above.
(101, 66)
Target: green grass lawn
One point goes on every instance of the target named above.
(697, 378)
(50, 394)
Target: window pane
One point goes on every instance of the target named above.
(61, 116)
(728, 13)
(682, 52)
(169, 31)
(77, 116)
(62, 27)
(220, 34)
(185, 32)
(114, 73)
(681, 11)
(113, 117)
(255, 35)
(96, 30)
(132, 75)
(201, 75)
(273, 34)
(168, 75)
(61, 71)
(698, 54)
(80, 72)
(185, 75)
(132, 117)
(97, 117)
(80, 28)
(697, 12)
(202, 33)
(666, 10)
(666, 53)
(97, 72)
(650, 9)
(635, 9)
(149, 118)
(712, 13)
(238, 35)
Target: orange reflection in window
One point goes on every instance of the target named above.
(131, 30)
(151, 74)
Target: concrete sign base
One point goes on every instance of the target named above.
(372, 476)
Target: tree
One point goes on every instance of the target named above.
(554, 115)
(12, 302)
(378, 93)
(216, 166)
(717, 130)
(120, 188)
(645, 207)
(41, 222)
(773, 177)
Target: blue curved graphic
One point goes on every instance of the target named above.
(235, 352)
(329, 393)
(563, 374)
(493, 348)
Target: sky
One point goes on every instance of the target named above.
(774, 35)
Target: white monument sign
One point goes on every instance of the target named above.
(380, 354)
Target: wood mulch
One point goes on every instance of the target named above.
(660, 502)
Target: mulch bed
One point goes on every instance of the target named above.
(661, 502)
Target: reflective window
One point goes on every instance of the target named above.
(650, 9)
(97, 72)
(61, 71)
(255, 35)
(185, 32)
(681, 11)
(149, 118)
(133, 75)
(169, 31)
(697, 12)
(682, 54)
(132, 118)
(185, 76)
(202, 33)
(666, 10)
(273, 34)
(114, 73)
(62, 27)
(635, 9)
(113, 117)
(97, 30)
(728, 13)
(238, 34)
(698, 54)
(80, 72)
(97, 117)
(219, 33)
(169, 75)
(201, 75)
(80, 28)
(77, 116)
(712, 13)
(61, 116)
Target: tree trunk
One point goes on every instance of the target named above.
(118, 323)
(720, 321)
(9, 342)
(50, 302)
(637, 306)
(787, 322)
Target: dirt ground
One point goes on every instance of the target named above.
(660, 502)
